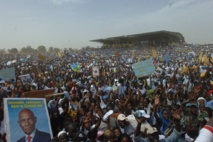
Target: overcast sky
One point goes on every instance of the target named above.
(73, 23)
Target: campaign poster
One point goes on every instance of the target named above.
(26, 117)
(26, 79)
(95, 71)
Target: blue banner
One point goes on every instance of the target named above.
(167, 58)
(143, 68)
(7, 74)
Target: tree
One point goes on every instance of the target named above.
(56, 49)
(23, 49)
(29, 49)
(50, 49)
(70, 49)
(35, 51)
(41, 49)
(13, 51)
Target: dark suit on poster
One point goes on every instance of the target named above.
(39, 137)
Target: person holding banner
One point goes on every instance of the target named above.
(27, 121)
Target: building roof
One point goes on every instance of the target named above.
(158, 36)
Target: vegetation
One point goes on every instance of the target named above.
(29, 49)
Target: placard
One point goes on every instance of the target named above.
(143, 68)
(26, 116)
(7, 74)
(95, 71)
(39, 93)
(26, 79)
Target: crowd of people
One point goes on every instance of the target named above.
(174, 104)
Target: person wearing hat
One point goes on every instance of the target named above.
(141, 120)
(142, 124)
(104, 101)
(194, 110)
(63, 136)
(201, 101)
(125, 125)
(152, 134)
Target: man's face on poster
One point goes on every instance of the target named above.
(27, 121)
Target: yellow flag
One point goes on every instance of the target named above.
(59, 54)
(211, 59)
(154, 53)
(195, 67)
(139, 59)
(41, 57)
(185, 69)
(211, 82)
(203, 74)
(200, 57)
(205, 59)
(92, 55)
(133, 54)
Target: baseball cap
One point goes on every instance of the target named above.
(151, 130)
(141, 113)
(86, 91)
(188, 105)
(201, 98)
(117, 100)
(105, 97)
(193, 105)
(121, 117)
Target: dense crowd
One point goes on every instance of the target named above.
(174, 104)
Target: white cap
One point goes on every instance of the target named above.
(121, 117)
(151, 130)
(61, 132)
(86, 91)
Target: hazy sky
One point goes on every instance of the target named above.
(73, 23)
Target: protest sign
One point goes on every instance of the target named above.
(95, 71)
(143, 68)
(39, 93)
(7, 74)
(76, 67)
(26, 116)
(167, 58)
(26, 79)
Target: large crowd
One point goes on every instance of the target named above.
(174, 104)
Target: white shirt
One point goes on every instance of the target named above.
(103, 105)
(204, 136)
(32, 135)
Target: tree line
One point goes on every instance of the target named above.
(39, 49)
